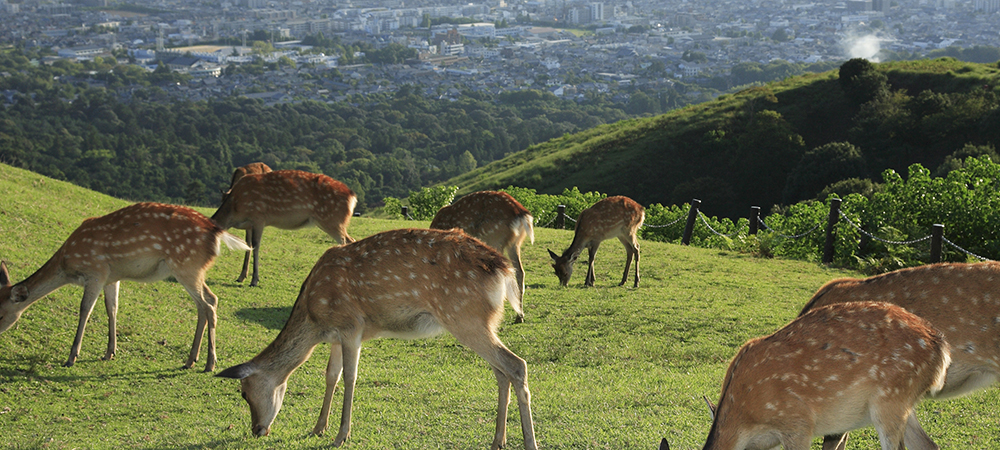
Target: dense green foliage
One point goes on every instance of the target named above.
(608, 367)
(129, 139)
(884, 228)
(764, 145)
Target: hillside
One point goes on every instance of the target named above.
(748, 148)
(608, 367)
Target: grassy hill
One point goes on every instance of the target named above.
(608, 367)
(740, 149)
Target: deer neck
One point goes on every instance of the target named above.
(576, 247)
(46, 279)
(293, 345)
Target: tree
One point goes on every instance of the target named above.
(822, 166)
(862, 82)
(466, 162)
(695, 57)
(780, 35)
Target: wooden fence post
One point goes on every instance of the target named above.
(831, 221)
(560, 217)
(692, 215)
(937, 235)
(754, 219)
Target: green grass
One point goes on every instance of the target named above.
(608, 367)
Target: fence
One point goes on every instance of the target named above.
(936, 236)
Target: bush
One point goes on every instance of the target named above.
(426, 202)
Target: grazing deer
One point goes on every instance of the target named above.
(495, 218)
(834, 369)
(240, 172)
(960, 300)
(144, 242)
(619, 217)
(289, 200)
(405, 284)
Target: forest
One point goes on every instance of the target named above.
(126, 139)
(770, 144)
(777, 144)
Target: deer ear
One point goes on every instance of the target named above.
(664, 445)
(711, 407)
(18, 294)
(238, 372)
(4, 274)
(553, 255)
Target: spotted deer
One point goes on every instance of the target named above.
(834, 369)
(289, 200)
(619, 217)
(495, 218)
(960, 300)
(144, 242)
(405, 284)
(240, 172)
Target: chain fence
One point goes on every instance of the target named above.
(705, 221)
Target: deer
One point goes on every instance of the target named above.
(831, 370)
(959, 299)
(408, 284)
(144, 242)
(497, 219)
(240, 172)
(619, 217)
(288, 200)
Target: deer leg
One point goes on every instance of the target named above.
(211, 310)
(503, 400)
(199, 331)
(591, 255)
(514, 253)
(256, 254)
(246, 258)
(915, 437)
(635, 254)
(333, 369)
(835, 442)
(631, 252)
(890, 427)
(515, 373)
(90, 293)
(111, 306)
(351, 348)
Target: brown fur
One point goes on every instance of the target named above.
(240, 172)
(960, 300)
(143, 242)
(404, 284)
(619, 217)
(289, 200)
(495, 218)
(831, 370)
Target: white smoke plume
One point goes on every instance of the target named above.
(864, 46)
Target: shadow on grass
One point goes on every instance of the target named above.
(273, 318)
(36, 368)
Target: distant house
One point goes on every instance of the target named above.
(83, 51)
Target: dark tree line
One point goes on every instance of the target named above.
(54, 123)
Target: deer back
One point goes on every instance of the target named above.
(285, 199)
(409, 283)
(131, 241)
(249, 169)
(827, 372)
(141, 242)
(609, 218)
(960, 300)
(494, 217)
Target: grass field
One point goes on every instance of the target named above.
(608, 367)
